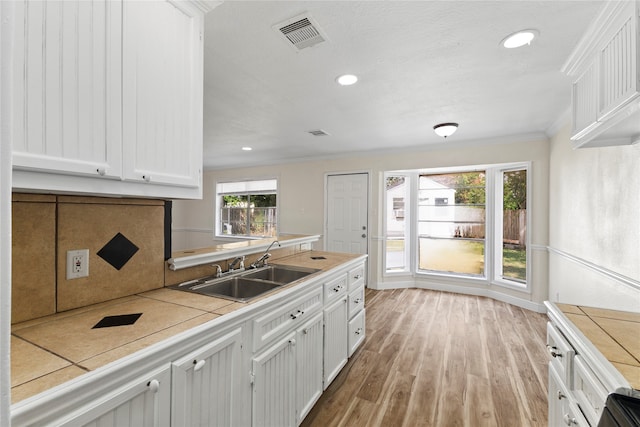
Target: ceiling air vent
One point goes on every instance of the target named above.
(318, 132)
(300, 32)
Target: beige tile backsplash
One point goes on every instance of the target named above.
(33, 256)
(45, 227)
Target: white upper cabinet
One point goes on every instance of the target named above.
(606, 87)
(108, 97)
(66, 109)
(162, 92)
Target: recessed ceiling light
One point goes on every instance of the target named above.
(520, 38)
(247, 148)
(347, 79)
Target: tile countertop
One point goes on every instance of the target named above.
(616, 334)
(51, 350)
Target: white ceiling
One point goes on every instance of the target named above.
(420, 63)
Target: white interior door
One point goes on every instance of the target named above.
(347, 213)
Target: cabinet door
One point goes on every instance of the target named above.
(206, 384)
(335, 339)
(67, 84)
(308, 366)
(619, 68)
(274, 384)
(585, 101)
(142, 403)
(563, 410)
(162, 92)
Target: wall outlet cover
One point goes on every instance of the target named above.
(77, 264)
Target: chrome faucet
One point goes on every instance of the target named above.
(265, 256)
(236, 260)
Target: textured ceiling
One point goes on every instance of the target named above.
(420, 63)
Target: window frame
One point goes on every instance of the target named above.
(493, 254)
(217, 232)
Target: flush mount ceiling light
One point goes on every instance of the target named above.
(346, 79)
(247, 148)
(520, 38)
(445, 129)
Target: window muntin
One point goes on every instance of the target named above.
(451, 222)
(247, 208)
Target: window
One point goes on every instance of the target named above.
(512, 236)
(397, 248)
(247, 208)
(451, 230)
(468, 222)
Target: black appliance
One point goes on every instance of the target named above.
(620, 411)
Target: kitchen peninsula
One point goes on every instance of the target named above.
(67, 370)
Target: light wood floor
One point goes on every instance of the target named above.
(440, 359)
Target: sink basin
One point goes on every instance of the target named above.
(235, 288)
(245, 286)
(280, 274)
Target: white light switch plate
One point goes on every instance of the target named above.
(77, 263)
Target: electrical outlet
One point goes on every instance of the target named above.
(77, 263)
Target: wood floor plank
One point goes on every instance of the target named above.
(441, 359)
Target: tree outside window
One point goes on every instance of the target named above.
(247, 209)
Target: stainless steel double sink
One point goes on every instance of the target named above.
(247, 285)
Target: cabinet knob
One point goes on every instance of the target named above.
(154, 385)
(101, 171)
(199, 364)
(553, 351)
(560, 395)
(358, 331)
(296, 315)
(147, 178)
(292, 341)
(357, 301)
(569, 420)
(357, 276)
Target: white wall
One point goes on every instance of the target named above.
(594, 225)
(301, 199)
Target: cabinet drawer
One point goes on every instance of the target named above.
(561, 352)
(590, 394)
(356, 301)
(273, 323)
(334, 289)
(356, 277)
(356, 331)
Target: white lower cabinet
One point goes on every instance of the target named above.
(274, 384)
(563, 410)
(335, 339)
(308, 366)
(356, 331)
(144, 402)
(206, 384)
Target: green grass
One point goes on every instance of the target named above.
(514, 264)
(464, 256)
